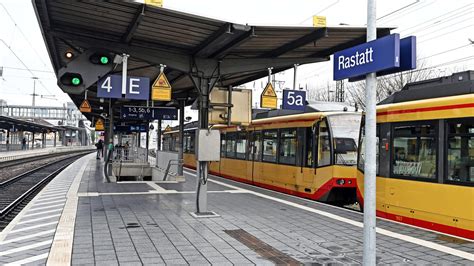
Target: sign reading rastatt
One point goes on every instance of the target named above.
(407, 59)
(294, 100)
(373, 56)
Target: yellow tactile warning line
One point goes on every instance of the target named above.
(61, 249)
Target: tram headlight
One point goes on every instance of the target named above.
(340, 182)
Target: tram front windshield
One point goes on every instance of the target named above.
(345, 133)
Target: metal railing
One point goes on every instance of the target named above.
(177, 162)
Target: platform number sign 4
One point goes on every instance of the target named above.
(138, 88)
(294, 100)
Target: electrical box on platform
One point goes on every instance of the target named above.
(208, 145)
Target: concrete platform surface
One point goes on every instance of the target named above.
(84, 221)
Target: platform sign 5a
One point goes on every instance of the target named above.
(138, 88)
(99, 125)
(294, 100)
(161, 89)
(373, 56)
(268, 98)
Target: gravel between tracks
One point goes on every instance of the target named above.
(12, 171)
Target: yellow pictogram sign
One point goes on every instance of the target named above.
(168, 128)
(319, 21)
(268, 99)
(99, 125)
(85, 107)
(158, 3)
(161, 89)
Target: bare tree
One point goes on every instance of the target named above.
(387, 85)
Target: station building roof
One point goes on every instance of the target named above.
(154, 36)
(9, 123)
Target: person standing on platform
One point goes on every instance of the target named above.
(125, 150)
(23, 143)
(100, 149)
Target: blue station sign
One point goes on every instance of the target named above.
(130, 128)
(148, 113)
(373, 56)
(137, 88)
(407, 59)
(294, 100)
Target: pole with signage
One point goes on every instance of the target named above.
(369, 257)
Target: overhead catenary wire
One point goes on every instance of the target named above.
(23, 63)
(23, 34)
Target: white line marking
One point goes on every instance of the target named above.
(51, 198)
(61, 249)
(156, 187)
(40, 213)
(45, 207)
(414, 240)
(39, 219)
(28, 260)
(49, 202)
(27, 247)
(56, 193)
(27, 237)
(32, 227)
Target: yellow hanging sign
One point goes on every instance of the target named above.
(268, 99)
(158, 3)
(99, 125)
(319, 21)
(85, 107)
(161, 89)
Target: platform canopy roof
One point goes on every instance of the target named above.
(9, 123)
(189, 45)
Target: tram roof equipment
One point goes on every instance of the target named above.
(188, 44)
(457, 84)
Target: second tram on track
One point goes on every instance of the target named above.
(425, 156)
(311, 155)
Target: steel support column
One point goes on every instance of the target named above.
(201, 197)
(181, 137)
(54, 142)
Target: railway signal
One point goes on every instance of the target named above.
(84, 70)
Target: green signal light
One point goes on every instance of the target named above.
(104, 60)
(76, 81)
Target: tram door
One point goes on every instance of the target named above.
(255, 171)
(309, 157)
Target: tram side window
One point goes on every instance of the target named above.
(414, 151)
(241, 144)
(288, 146)
(256, 144)
(324, 148)
(309, 147)
(223, 145)
(461, 151)
(230, 145)
(270, 146)
(361, 160)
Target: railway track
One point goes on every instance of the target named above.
(16, 192)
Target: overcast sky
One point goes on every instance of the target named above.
(443, 29)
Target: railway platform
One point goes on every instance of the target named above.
(80, 219)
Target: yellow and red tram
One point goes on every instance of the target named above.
(425, 156)
(311, 155)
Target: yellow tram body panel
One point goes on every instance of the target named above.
(442, 207)
(429, 109)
